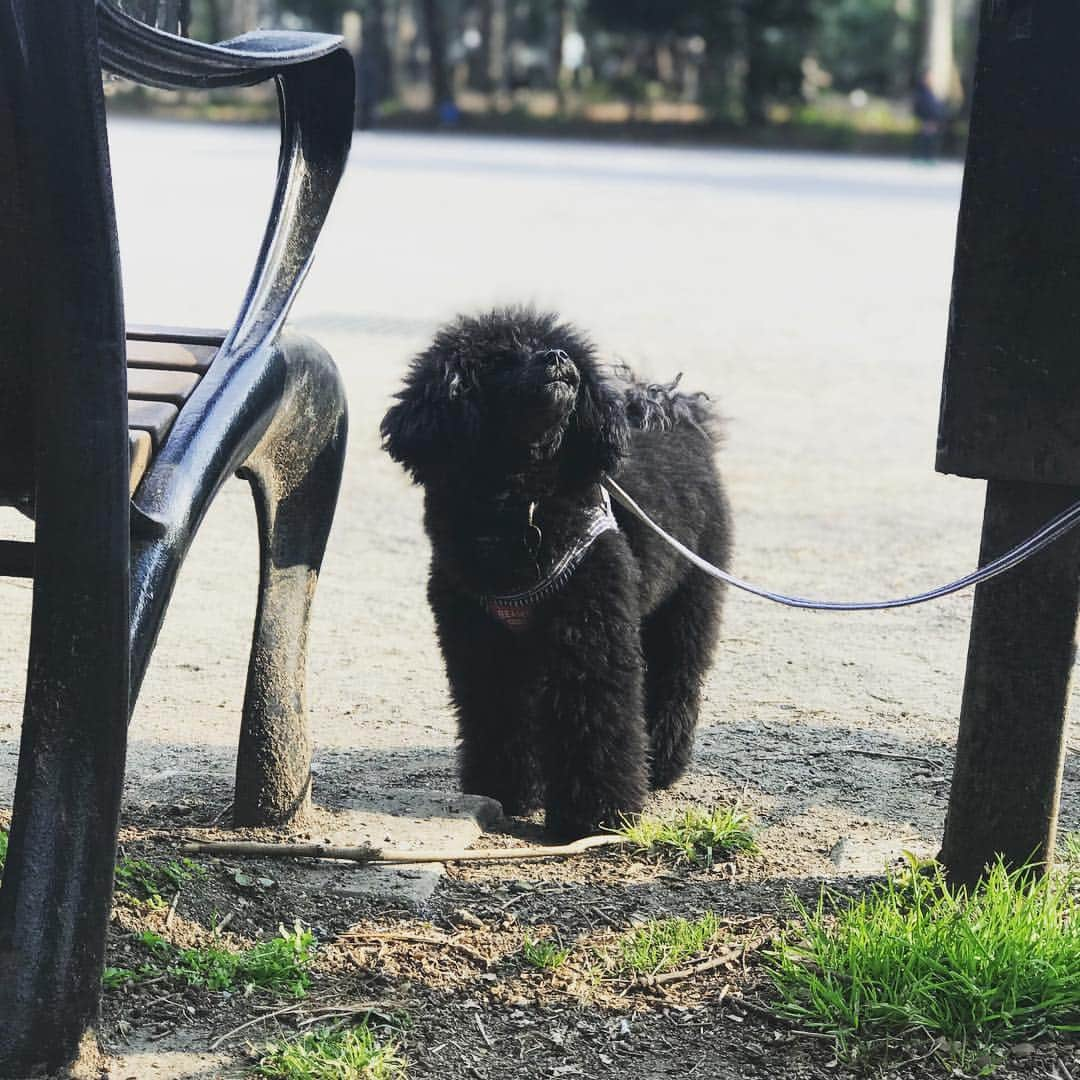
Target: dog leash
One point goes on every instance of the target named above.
(1045, 536)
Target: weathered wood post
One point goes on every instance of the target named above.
(1010, 413)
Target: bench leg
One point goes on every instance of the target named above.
(1010, 750)
(58, 878)
(294, 474)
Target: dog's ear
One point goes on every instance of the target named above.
(432, 421)
(599, 435)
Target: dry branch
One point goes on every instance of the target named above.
(379, 857)
(649, 981)
(388, 936)
(314, 1011)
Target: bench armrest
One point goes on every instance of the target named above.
(153, 57)
(316, 93)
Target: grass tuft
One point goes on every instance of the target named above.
(354, 1053)
(279, 964)
(1070, 850)
(696, 837)
(912, 959)
(145, 882)
(113, 978)
(3, 849)
(544, 954)
(662, 945)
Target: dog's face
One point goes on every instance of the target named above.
(509, 400)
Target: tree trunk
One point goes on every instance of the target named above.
(378, 48)
(240, 16)
(938, 62)
(213, 26)
(171, 15)
(755, 83)
(558, 28)
(435, 31)
(493, 27)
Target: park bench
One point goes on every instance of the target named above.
(115, 444)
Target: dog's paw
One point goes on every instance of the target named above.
(568, 826)
(562, 828)
(663, 774)
(520, 807)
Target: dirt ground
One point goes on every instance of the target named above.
(808, 295)
(473, 1007)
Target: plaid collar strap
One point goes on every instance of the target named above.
(514, 610)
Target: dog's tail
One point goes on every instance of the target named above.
(662, 406)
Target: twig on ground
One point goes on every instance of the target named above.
(417, 939)
(255, 1020)
(648, 981)
(366, 1008)
(1064, 1069)
(884, 755)
(755, 1007)
(225, 922)
(907, 1061)
(512, 901)
(371, 855)
(172, 911)
(483, 1033)
(598, 911)
(157, 1001)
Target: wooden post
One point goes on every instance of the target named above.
(1010, 413)
(1011, 747)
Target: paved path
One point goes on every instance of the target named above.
(807, 294)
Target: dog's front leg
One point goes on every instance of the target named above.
(491, 685)
(590, 723)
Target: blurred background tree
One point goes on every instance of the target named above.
(756, 65)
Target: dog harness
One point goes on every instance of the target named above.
(514, 610)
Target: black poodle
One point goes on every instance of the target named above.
(575, 640)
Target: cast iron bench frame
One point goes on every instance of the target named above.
(104, 560)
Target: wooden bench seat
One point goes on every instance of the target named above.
(162, 374)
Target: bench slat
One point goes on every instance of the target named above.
(169, 354)
(154, 417)
(159, 384)
(165, 365)
(186, 334)
(141, 448)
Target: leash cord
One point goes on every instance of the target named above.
(1045, 536)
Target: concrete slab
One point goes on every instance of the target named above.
(856, 856)
(402, 819)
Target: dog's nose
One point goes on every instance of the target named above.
(559, 366)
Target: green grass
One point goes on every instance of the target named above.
(146, 882)
(913, 960)
(353, 1053)
(279, 964)
(661, 945)
(544, 954)
(696, 837)
(113, 978)
(1070, 850)
(3, 849)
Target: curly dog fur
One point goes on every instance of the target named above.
(509, 423)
